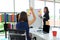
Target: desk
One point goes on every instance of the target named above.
(41, 36)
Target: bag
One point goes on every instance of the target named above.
(46, 28)
(47, 22)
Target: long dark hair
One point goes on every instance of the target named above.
(17, 16)
(47, 10)
(23, 17)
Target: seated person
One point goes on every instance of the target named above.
(24, 23)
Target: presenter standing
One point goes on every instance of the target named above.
(46, 25)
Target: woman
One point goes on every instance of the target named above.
(24, 23)
(45, 19)
(46, 15)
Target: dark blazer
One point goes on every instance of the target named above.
(46, 27)
(46, 15)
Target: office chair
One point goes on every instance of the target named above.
(17, 35)
(5, 29)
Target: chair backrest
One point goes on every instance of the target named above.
(17, 34)
(16, 31)
(5, 27)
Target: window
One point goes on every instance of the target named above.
(6, 6)
(21, 5)
(57, 13)
(50, 5)
(38, 6)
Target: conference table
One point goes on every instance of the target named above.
(38, 33)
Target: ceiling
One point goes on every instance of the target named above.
(51, 0)
(57, 0)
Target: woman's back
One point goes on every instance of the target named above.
(22, 26)
(23, 23)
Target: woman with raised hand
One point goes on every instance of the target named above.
(24, 23)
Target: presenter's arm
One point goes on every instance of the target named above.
(34, 17)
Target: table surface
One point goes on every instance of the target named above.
(47, 36)
(39, 33)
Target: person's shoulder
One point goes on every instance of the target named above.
(25, 22)
(18, 23)
(22, 22)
